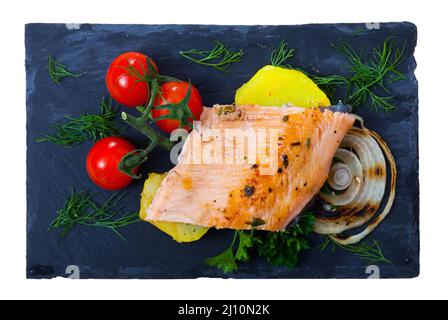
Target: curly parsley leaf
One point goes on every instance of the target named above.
(283, 248)
(225, 261)
(279, 248)
(247, 242)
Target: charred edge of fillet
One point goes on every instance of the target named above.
(285, 160)
(256, 222)
(225, 110)
(229, 112)
(249, 191)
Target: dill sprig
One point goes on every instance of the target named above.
(369, 78)
(85, 127)
(280, 55)
(81, 209)
(369, 251)
(58, 71)
(220, 57)
(329, 84)
(367, 84)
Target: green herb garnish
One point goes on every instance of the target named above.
(279, 248)
(225, 261)
(178, 111)
(329, 84)
(246, 243)
(283, 248)
(256, 222)
(369, 251)
(369, 77)
(58, 71)
(80, 209)
(280, 55)
(358, 31)
(85, 127)
(220, 57)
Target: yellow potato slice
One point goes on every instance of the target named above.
(276, 86)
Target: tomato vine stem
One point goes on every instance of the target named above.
(154, 136)
(177, 111)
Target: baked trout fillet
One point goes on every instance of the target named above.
(220, 182)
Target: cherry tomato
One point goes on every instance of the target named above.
(174, 92)
(102, 163)
(125, 87)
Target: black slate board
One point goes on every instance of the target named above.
(148, 253)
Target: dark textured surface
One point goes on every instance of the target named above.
(148, 253)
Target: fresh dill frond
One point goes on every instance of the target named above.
(85, 127)
(329, 84)
(369, 77)
(80, 209)
(367, 83)
(280, 55)
(358, 31)
(329, 80)
(58, 71)
(220, 57)
(369, 251)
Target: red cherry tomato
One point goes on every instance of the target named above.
(174, 92)
(123, 86)
(102, 163)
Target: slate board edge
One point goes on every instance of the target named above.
(416, 132)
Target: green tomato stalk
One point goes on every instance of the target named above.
(177, 111)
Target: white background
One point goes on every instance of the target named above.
(431, 55)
